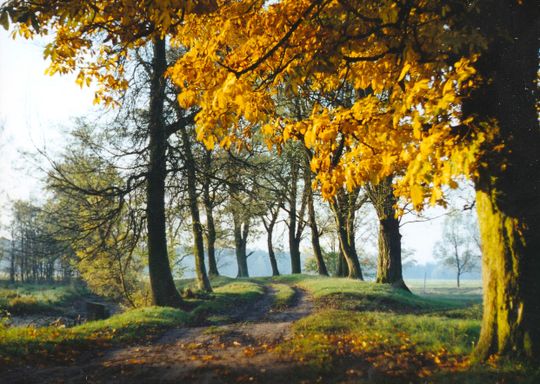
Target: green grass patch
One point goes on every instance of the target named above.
(19, 343)
(391, 328)
(225, 299)
(355, 295)
(26, 299)
(426, 333)
(66, 343)
(284, 296)
(218, 281)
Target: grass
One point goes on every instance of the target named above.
(224, 298)
(25, 299)
(284, 296)
(359, 328)
(355, 295)
(356, 328)
(23, 343)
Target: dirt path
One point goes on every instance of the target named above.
(240, 351)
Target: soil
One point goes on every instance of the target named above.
(241, 350)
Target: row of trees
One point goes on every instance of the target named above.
(439, 90)
(33, 254)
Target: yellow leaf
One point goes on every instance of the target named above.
(309, 138)
(417, 196)
(404, 71)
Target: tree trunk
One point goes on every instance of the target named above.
(271, 254)
(510, 269)
(294, 244)
(315, 242)
(341, 269)
(350, 255)
(211, 242)
(508, 186)
(344, 207)
(197, 229)
(241, 223)
(294, 249)
(241, 230)
(389, 268)
(164, 292)
(210, 224)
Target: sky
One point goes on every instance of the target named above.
(35, 110)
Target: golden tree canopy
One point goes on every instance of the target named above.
(400, 59)
(386, 78)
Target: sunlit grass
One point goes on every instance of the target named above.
(133, 325)
(23, 299)
(284, 296)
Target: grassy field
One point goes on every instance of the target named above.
(469, 290)
(59, 343)
(24, 299)
(376, 331)
(356, 329)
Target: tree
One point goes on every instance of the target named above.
(296, 198)
(459, 247)
(313, 226)
(389, 268)
(35, 252)
(198, 235)
(451, 92)
(102, 227)
(344, 206)
(90, 39)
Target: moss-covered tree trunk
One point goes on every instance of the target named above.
(510, 267)
(164, 292)
(508, 186)
(389, 267)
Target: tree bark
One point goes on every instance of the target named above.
(510, 269)
(241, 231)
(342, 269)
(508, 186)
(349, 253)
(269, 226)
(211, 241)
(164, 292)
(344, 206)
(389, 268)
(210, 223)
(198, 234)
(315, 241)
(294, 244)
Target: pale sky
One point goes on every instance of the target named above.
(35, 108)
